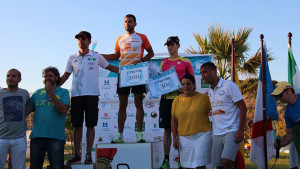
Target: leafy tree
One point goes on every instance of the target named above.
(218, 42)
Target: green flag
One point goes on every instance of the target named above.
(294, 80)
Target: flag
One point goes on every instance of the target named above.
(94, 45)
(240, 156)
(294, 80)
(257, 137)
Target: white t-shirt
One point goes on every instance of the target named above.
(85, 73)
(226, 114)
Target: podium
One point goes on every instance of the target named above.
(129, 155)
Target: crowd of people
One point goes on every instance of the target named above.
(184, 113)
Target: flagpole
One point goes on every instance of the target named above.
(290, 39)
(233, 61)
(263, 95)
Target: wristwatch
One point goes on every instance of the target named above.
(142, 59)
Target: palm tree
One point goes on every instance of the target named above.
(218, 42)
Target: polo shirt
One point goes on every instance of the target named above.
(85, 71)
(225, 113)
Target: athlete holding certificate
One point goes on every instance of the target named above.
(182, 66)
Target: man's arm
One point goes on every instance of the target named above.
(112, 68)
(288, 138)
(64, 78)
(61, 107)
(28, 110)
(149, 55)
(243, 110)
(114, 56)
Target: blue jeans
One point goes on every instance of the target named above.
(55, 149)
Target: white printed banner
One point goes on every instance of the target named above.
(107, 127)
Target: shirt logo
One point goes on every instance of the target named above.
(222, 93)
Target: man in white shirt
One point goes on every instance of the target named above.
(85, 91)
(228, 116)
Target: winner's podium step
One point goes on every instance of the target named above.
(82, 166)
(129, 155)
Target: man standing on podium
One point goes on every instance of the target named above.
(130, 48)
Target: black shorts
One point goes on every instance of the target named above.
(165, 115)
(87, 104)
(140, 89)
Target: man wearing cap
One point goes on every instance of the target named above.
(228, 116)
(182, 66)
(50, 105)
(85, 91)
(13, 121)
(130, 48)
(286, 94)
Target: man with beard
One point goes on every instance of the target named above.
(50, 105)
(13, 121)
(85, 91)
(130, 48)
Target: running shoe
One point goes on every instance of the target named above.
(140, 138)
(75, 159)
(165, 164)
(88, 159)
(179, 165)
(118, 138)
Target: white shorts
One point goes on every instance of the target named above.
(195, 150)
(17, 150)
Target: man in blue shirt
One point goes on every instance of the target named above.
(286, 94)
(50, 105)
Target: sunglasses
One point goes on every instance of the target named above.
(280, 95)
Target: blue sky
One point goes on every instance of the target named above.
(37, 34)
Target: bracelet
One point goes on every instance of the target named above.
(142, 59)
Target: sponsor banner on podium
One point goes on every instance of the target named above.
(134, 75)
(164, 83)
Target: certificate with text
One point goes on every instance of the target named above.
(134, 75)
(164, 83)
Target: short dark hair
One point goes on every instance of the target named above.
(210, 65)
(132, 16)
(54, 70)
(19, 73)
(191, 78)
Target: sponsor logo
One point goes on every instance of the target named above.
(105, 124)
(158, 138)
(130, 114)
(103, 104)
(153, 114)
(143, 127)
(127, 126)
(91, 63)
(105, 116)
(176, 159)
(111, 137)
(106, 95)
(149, 104)
(106, 82)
